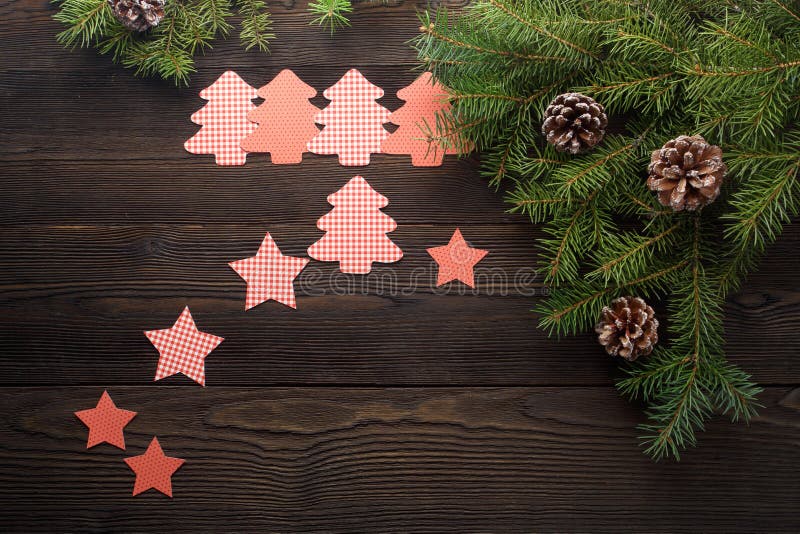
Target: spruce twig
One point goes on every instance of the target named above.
(730, 73)
(167, 50)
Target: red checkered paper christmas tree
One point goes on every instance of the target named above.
(356, 229)
(286, 119)
(416, 120)
(353, 121)
(224, 120)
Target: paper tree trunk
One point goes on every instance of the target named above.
(356, 229)
(353, 121)
(285, 119)
(417, 122)
(224, 120)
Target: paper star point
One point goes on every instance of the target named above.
(269, 275)
(456, 260)
(105, 422)
(183, 349)
(154, 469)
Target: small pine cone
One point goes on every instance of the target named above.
(138, 15)
(686, 173)
(574, 123)
(628, 328)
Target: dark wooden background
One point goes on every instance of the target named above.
(379, 411)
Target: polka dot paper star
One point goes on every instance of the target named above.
(105, 422)
(456, 260)
(154, 469)
(183, 349)
(269, 275)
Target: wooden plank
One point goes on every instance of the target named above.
(198, 192)
(76, 296)
(392, 460)
(150, 115)
(385, 27)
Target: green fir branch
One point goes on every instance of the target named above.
(331, 13)
(256, 25)
(167, 50)
(661, 69)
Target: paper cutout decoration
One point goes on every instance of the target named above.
(106, 422)
(416, 120)
(154, 469)
(356, 229)
(224, 120)
(286, 119)
(353, 121)
(183, 349)
(269, 275)
(456, 260)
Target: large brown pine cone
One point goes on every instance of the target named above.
(574, 123)
(628, 328)
(138, 15)
(686, 173)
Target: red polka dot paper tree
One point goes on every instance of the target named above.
(417, 120)
(353, 121)
(286, 119)
(356, 229)
(224, 120)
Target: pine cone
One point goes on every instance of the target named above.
(628, 328)
(138, 15)
(574, 123)
(686, 173)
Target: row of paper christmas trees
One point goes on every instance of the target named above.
(284, 125)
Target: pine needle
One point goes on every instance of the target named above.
(661, 68)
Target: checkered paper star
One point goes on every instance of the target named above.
(183, 349)
(456, 260)
(269, 275)
(105, 422)
(154, 469)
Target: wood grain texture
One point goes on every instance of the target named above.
(76, 294)
(392, 460)
(108, 228)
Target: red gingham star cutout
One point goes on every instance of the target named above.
(356, 229)
(224, 120)
(105, 422)
(154, 469)
(353, 121)
(269, 275)
(183, 349)
(456, 260)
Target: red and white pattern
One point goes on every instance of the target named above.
(353, 121)
(154, 469)
(183, 349)
(456, 260)
(285, 118)
(106, 422)
(356, 229)
(424, 100)
(269, 275)
(224, 120)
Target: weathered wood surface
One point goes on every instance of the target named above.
(392, 460)
(108, 227)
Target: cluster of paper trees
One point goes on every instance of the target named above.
(284, 125)
(356, 238)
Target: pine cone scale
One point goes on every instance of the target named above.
(628, 328)
(686, 173)
(138, 15)
(574, 123)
